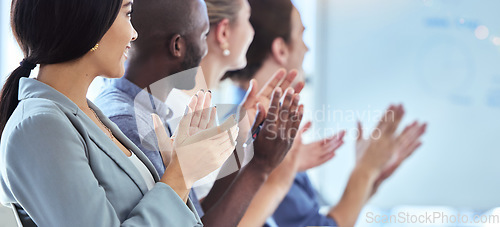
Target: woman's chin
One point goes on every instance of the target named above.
(240, 65)
(119, 73)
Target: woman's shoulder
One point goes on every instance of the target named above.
(35, 107)
(36, 112)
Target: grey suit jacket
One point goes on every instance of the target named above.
(64, 171)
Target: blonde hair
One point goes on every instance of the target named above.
(219, 10)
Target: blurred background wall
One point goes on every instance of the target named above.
(441, 59)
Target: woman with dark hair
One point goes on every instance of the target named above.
(278, 43)
(62, 162)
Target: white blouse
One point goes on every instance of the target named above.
(148, 178)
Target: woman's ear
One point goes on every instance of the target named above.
(177, 46)
(279, 51)
(222, 33)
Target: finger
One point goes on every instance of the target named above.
(226, 152)
(393, 168)
(296, 124)
(395, 119)
(272, 84)
(417, 132)
(289, 79)
(423, 129)
(224, 136)
(385, 121)
(416, 135)
(261, 115)
(230, 125)
(292, 116)
(410, 150)
(305, 128)
(209, 133)
(251, 95)
(403, 137)
(337, 137)
(195, 122)
(298, 87)
(223, 142)
(164, 141)
(284, 113)
(272, 116)
(333, 146)
(408, 128)
(183, 128)
(333, 141)
(413, 148)
(205, 113)
(192, 103)
(234, 132)
(228, 142)
(326, 157)
(219, 138)
(187, 118)
(323, 159)
(413, 133)
(213, 114)
(360, 132)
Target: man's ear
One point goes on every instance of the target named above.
(279, 51)
(177, 46)
(222, 33)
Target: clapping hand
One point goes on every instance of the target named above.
(314, 154)
(198, 148)
(263, 96)
(279, 128)
(386, 153)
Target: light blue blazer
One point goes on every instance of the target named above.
(64, 171)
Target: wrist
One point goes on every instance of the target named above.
(294, 162)
(366, 171)
(174, 178)
(259, 167)
(177, 183)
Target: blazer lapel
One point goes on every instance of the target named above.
(31, 88)
(126, 142)
(108, 147)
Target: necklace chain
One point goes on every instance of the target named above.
(106, 127)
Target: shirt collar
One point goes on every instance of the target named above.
(142, 97)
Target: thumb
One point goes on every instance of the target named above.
(360, 131)
(298, 88)
(164, 141)
(305, 128)
(182, 130)
(261, 115)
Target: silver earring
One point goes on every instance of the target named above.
(226, 52)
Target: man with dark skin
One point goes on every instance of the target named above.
(173, 40)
